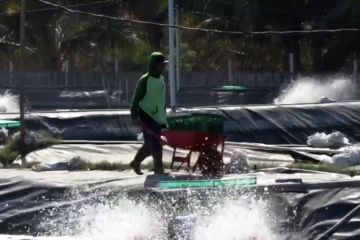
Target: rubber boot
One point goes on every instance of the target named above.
(140, 156)
(158, 164)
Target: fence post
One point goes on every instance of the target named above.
(355, 74)
(230, 70)
(291, 64)
(11, 71)
(66, 73)
(127, 90)
(116, 70)
(108, 91)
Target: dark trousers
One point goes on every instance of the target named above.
(152, 145)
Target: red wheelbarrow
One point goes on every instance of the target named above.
(210, 147)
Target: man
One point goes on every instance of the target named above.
(148, 108)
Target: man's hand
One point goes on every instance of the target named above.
(164, 128)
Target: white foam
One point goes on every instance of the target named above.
(242, 219)
(24, 237)
(236, 220)
(9, 103)
(350, 157)
(332, 140)
(120, 220)
(312, 90)
(238, 163)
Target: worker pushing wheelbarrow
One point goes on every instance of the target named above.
(148, 110)
(195, 132)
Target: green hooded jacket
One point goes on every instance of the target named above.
(150, 93)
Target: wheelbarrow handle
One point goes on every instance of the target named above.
(154, 134)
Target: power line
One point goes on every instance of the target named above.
(74, 5)
(2, 41)
(54, 8)
(134, 21)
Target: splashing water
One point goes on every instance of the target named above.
(120, 220)
(232, 219)
(237, 220)
(311, 90)
(9, 103)
(126, 220)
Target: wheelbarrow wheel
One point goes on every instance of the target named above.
(210, 162)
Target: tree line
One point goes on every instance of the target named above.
(54, 36)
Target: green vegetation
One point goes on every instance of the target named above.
(11, 149)
(328, 168)
(9, 153)
(78, 164)
(117, 166)
(351, 171)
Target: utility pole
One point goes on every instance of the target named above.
(66, 74)
(355, 74)
(116, 82)
(22, 84)
(11, 71)
(292, 68)
(178, 45)
(172, 55)
(230, 71)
